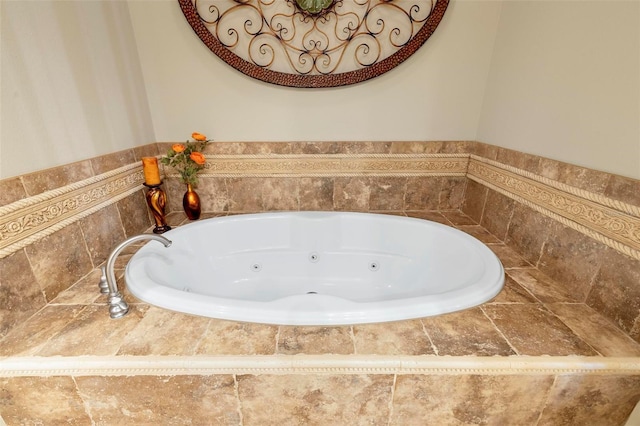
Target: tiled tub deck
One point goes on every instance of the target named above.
(531, 356)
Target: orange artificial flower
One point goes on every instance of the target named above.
(178, 147)
(197, 158)
(198, 136)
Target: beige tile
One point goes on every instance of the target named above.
(30, 336)
(467, 332)
(512, 292)
(393, 338)
(11, 190)
(84, 292)
(387, 193)
(596, 330)
(474, 200)
(533, 330)
(509, 258)
(422, 193)
(498, 210)
(430, 215)
(280, 194)
(245, 194)
(616, 289)
(19, 291)
(316, 193)
(591, 400)
(458, 218)
(57, 177)
(161, 400)
(351, 193)
(315, 147)
(588, 179)
(518, 159)
(315, 340)
(541, 286)
(59, 260)
(290, 400)
(102, 232)
(237, 338)
(479, 233)
(94, 331)
(572, 258)
(135, 214)
(148, 150)
(451, 193)
(468, 400)
(623, 189)
(528, 231)
(163, 332)
(41, 401)
(112, 161)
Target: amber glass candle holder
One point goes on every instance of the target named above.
(156, 200)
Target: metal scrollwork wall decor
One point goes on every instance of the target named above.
(313, 43)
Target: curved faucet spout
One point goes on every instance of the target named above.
(117, 306)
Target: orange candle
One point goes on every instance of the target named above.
(151, 170)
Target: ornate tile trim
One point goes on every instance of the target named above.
(611, 222)
(26, 221)
(312, 364)
(312, 165)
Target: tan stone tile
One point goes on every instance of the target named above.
(431, 216)
(377, 147)
(528, 231)
(508, 257)
(518, 159)
(616, 289)
(549, 168)
(485, 150)
(594, 329)
(42, 401)
(573, 259)
(474, 200)
(245, 194)
(213, 194)
(411, 147)
(623, 189)
(57, 177)
(498, 210)
(533, 330)
(422, 193)
(290, 400)
(32, 335)
(112, 161)
(467, 332)
(479, 233)
(148, 150)
(316, 193)
(93, 330)
(387, 193)
(280, 194)
(134, 214)
(315, 340)
(11, 190)
(315, 147)
(19, 291)
(237, 338)
(451, 193)
(512, 292)
(84, 292)
(102, 232)
(59, 260)
(541, 286)
(591, 400)
(351, 193)
(161, 400)
(581, 177)
(174, 191)
(458, 218)
(163, 332)
(468, 399)
(393, 338)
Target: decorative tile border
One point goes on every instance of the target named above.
(611, 222)
(313, 364)
(289, 165)
(26, 221)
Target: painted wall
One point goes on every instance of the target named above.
(436, 94)
(565, 83)
(72, 87)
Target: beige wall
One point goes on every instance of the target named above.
(565, 83)
(436, 94)
(71, 84)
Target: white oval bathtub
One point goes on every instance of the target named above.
(315, 268)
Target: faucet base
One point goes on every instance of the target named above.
(117, 306)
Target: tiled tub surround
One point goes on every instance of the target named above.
(545, 351)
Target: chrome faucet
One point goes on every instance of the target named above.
(117, 306)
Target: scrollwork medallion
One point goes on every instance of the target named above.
(313, 43)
